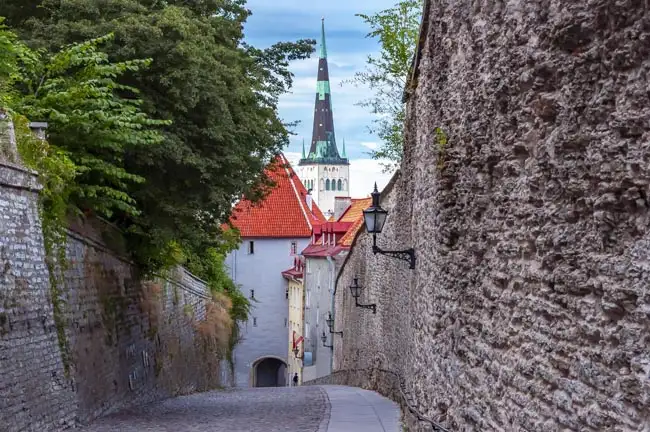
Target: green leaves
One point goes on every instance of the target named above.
(386, 75)
(76, 92)
(169, 185)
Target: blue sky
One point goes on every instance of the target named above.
(286, 20)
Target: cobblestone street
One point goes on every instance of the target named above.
(309, 408)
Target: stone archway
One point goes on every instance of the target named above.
(269, 372)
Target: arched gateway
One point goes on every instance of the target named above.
(269, 372)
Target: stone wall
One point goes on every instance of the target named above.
(34, 393)
(121, 341)
(528, 309)
(130, 342)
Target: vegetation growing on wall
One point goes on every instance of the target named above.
(386, 74)
(219, 93)
(169, 183)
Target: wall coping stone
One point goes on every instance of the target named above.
(17, 177)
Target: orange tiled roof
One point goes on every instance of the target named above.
(283, 213)
(355, 210)
(354, 214)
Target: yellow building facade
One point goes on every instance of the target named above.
(295, 295)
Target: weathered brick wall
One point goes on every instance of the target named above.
(130, 342)
(34, 393)
(528, 309)
(126, 342)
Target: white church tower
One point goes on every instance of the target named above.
(323, 169)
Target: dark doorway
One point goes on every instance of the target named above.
(270, 372)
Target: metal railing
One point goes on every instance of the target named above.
(410, 403)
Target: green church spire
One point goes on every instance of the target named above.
(303, 149)
(322, 148)
(323, 46)
(343, 155)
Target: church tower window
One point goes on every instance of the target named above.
(327, 184)
(340, 185)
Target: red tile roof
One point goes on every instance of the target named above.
(283, 213)
(354, 214)
(295, 272)
(331, 232)
(345, 228)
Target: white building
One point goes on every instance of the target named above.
(273, 233)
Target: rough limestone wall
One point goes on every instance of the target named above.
(130, 342)
(34, 393)
(126, 342)
(529, 307)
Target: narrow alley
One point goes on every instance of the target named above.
(309, 408)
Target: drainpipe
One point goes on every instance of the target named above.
(330, 261)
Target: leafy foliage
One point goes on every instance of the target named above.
(76, 92)
(168, 184)
(12, 53)
(220, 94)
(386, 75)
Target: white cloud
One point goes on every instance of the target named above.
(370, 144)
(293, 158)
(363, 175)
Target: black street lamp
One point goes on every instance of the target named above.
(295, 353)
(375, 217)
(356, 292)
(330, 324)
(324, 339)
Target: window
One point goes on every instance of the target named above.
(252, 294)
(251, 247)
(307, 298)
(327, 184)
(308, 267)
(285, 322)
(306, 330)
(286, 293)
(294, 247)
(340, 185)
(317, 316)
(254, 322)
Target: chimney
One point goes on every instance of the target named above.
(309, 200)
(341, 204)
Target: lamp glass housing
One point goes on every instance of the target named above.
(355, 289)
(375, 216)
(323, 337)
(329, 320)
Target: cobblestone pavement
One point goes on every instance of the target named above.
(300, 409)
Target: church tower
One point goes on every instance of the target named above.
(323, 169)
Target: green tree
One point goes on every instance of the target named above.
(220, 94)
(221, 97)
(386, 74)
(76, 92)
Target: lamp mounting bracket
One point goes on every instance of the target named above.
(373, 306)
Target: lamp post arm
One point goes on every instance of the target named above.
(366, 306)
(407, 255)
